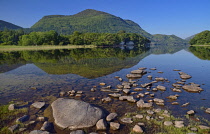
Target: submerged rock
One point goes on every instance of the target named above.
(162, 88)
(192, 88)
(134, 75)
(75, 114)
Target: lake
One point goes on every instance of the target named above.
(38, 75)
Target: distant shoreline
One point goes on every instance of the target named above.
(201, 45)
(43, 47)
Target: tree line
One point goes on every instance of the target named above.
(21, 38)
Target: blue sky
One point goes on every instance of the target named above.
(179, 17)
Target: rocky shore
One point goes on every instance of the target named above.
(69, 112)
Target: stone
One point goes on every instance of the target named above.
(148, 118)
(128, 98)
(41, 118)
(149, 76)
(173, 97)
(147, 93)
(78, 132)
(175, 103)
(126, 91)
(138, 89)
(140, 95)
(138, 129)
(177, 70)
(120, 79)
(176, 90)
(150, 112)
(139, 116)
(127, 120)
(203, 127)
(156, 100)
(79, 92)
(78, 95)
(158, 110)
(142, 68)
(134, 75)
(162, 88)
(111, 116)
(11, 107)
(185, 104)
(120, 86)
(159, 79)
(176, 85)
(14, 128)
(154, 89)
(168, 123)
(39, 132)
(102, 84)
(115, 95)
(191, 112)
(114, 126)
(101, 125)
(75, 114)
(62, 93)
(207, 110)
(93, 133)
(107, 99)
(193, 129)
(93, 89)
(179, 124)
(137, 72)
(142, 104)
(153, 69)
(47, 126)
(38, 105)
(22, 129)
(23, 118)
(185, 76)
(141, 124)
(146, 85)
(192, 88)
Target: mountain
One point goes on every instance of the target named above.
(160, 39)
(202, 38)
(95, 21)
(189, 38)
(4, 24)
(88, 20)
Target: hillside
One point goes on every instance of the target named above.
(161, 39)
(202, 38)
(88, 21)
(4, 24)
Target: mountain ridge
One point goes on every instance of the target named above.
(8, 25)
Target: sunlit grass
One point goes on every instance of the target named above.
(43, 47)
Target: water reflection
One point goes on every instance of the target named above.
(89, 63)
(202, 52)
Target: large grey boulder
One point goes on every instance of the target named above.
(75, 114)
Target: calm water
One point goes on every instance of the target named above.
(81, 69)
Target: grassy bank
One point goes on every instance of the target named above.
(50, 47)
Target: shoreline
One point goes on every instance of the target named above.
(45, 47)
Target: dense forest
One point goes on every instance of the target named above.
(88, 21)
(19, 37)
(202, 38)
